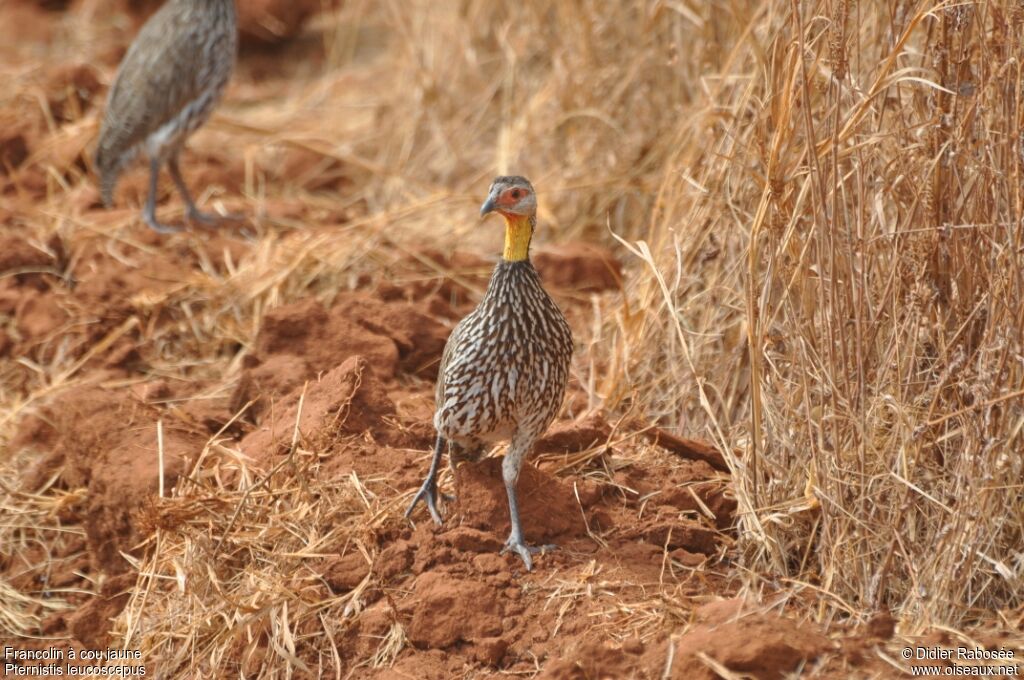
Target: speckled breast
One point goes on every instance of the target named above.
(508, 362)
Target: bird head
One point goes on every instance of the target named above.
(513, 197)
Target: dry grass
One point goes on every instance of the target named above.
(821, 215)
(843, 227)
(252, 579)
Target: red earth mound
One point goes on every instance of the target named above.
(548, 509)
(582, 267)
(763, 646)
(346, 400)
(300, 340)
(260, 22)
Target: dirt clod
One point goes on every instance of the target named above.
(14, 149)
(345, 573)
(72, 89)
(90, 624)
(270, 22)
(323, 340)
(575, 436)
(107, 441)
(450, 610)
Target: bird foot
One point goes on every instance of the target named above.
(526, 551)
(160, 227)
(197, 215)
(428, 494)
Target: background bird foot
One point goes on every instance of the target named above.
(427, 493)
(526, 551)
(160, 227)
(197, 215)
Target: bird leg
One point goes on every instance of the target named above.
(194, 213)
(510, 474)
(149, 211)
(428, 492)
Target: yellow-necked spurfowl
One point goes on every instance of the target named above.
(505, 366)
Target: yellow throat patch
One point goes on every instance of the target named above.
(518, 232)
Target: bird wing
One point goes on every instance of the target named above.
(159, 76)
(446, 356)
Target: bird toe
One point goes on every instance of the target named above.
(149, 217)
(526, 552)
(428, 495)
(162, 228)
(204, 217)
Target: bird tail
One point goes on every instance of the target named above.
(109, 171)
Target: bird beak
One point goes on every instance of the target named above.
(489, 204)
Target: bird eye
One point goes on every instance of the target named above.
(516, 193)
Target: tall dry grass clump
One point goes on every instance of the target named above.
(841, 232)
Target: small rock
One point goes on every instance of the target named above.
(469, 539)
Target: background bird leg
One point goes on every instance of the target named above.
(149, 211)
(194, 213)
(428, 492)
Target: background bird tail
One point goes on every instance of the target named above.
(108, 172)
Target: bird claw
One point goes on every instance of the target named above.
(526, 552)
(428, 494)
